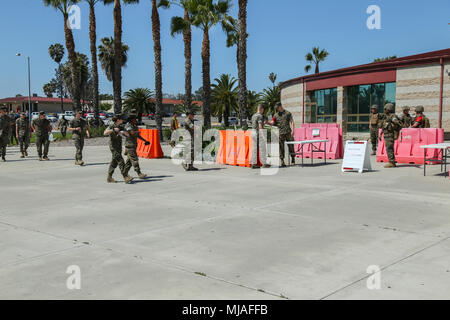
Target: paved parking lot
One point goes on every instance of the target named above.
(221, 233)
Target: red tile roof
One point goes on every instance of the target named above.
(178, 102)
(37, 99)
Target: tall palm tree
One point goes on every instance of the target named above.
(63, 6)
(82, 71)
(117, 83)
(93, 43)
(204, 15)
(253, 99)
(242, 61)
(107, 59)
(270, 98)
(57, 52)
(139, 99)
(316, 56)
(273, 78)
(225, 96)
(183, 25)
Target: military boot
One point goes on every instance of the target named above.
(23, 155)
(46, 158)
(142, 176)
(267, 166)
(81, 163)
(77, 163)
(192, 168)
(40, 158)
(374, 153)
(293, 161)
(390, 165)
(3, 159)
(110, 179)
(26, 154)
(128, 179)
(282, 164)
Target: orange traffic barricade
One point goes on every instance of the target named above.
(152, 151)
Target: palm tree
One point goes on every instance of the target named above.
(242, 61)
(63, 6)
(204, 15)
(253, 99)
(117, 82)
(273, 78)
(93, 43)
(225, 96)
(270, 98)
(183, 25)
(82, 76)
(107, 59)
(57, 52)
(49, 88)
(316, 57)
(139, 99)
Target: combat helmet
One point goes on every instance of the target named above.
(420, 109)
(389, 107)
(404, 108)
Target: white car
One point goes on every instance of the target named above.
(52, 118)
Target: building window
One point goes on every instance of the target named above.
(324, 106)
(361, 98)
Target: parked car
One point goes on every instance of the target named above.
(233, 121)
(52, 118)
(69, 115)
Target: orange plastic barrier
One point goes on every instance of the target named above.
(221, 153)
(152, 151)
(407, 147)
(235, 148)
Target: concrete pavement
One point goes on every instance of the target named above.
(221, 233)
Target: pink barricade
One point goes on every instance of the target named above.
(320, 125)
(408, 147)
(335, 149)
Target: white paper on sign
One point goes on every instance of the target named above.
(356, 157)
(316, 132)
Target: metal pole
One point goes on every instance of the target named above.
(29, 90)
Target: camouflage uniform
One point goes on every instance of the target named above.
(23, 130)
(188, 125)
(283, 122)
(391, 126)
(4, 134)
(115, 145)
(130, 148)
(423, 121)
(174, 126)
(42, 129)
(63, 123)
(375, 125)
(13, 129)
(405, 120)
(78, 137)
(256, 120)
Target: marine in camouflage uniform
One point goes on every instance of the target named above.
(23, 134)
(405, 118)
(4, 132)
(283, 120)
(259, 145)
(132, 135)
(174, 126)
(115, 131)
(375, 124)
(42, 127)
(13, 138)
(391, 127)
(188, 125)
(421, 121)
(62, 125)
(79, 129)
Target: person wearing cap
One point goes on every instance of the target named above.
(188, 125)
(4, 132)
(132, 134)
(115, 131)
(42, 127)
(391, 128)
(23, 132)
(285, 122)
(375, 125)
(405, 118)
(79, 128)
(421, 121)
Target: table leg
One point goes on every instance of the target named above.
(424, 162)
(445, 163)
(312, 154)
(286, 145)
(325, 153)
(302, 145)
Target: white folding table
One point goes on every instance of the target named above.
(314, 149)
(443, 151)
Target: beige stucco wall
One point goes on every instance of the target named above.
(421, 86)
(292, 100)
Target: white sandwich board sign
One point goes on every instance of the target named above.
(356, 157)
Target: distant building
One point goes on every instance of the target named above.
(169, 105)
(48, 105)
(345, 95)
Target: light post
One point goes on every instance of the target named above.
(29, 86)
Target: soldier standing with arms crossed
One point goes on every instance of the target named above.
(23, 133)
(42, 127)
(132, 135)
(375, 124)
(285, 123)
(4, 132)
(188, 125)
(115, 131)
(79, 128)
(391, 127)
(405, 118)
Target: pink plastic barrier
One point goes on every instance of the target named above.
(408, 147)
(320, 125)
(335, 149)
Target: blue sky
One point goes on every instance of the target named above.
(281, 33)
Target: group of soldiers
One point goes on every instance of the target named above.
(391, 124)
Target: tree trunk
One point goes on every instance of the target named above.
(206, 80)
(61, 88)
(242, 62)
(93, 39)
(187, 37)
(226, 115)
(156, 30)
(70, 44)
(117, 83)
(317, 68)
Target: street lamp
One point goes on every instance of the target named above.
(29, 86)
